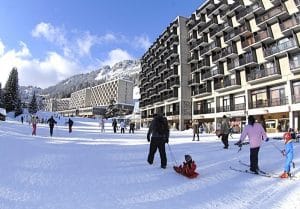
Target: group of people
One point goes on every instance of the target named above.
(51, 121)
(123, 126)
(158, 136)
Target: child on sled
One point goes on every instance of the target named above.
(288, 152)
(187, 168)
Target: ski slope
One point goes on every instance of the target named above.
(87, 169)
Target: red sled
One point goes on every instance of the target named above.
(187, 170)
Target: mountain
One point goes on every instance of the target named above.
(128, 69)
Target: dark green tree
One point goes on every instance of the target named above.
(1, 97)
(33, 106)
(12, 101)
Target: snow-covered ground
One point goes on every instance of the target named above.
(91, 170)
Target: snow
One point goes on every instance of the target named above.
(87, 169)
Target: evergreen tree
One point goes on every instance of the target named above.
(33, 106)
(12, 101)
(1, 97)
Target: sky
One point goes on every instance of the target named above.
(49, 41)
(87, 169)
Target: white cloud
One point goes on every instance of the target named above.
(115, 56)
(43, 73)
(85, 43)
(2, 47)
(142, 42)
(50, 33)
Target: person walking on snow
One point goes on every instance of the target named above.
(195, 129)
(34, 122)
(224, 132)
(70, 122)
(288, 152)
(256, 135)
(158, 135)
(114, 125)
(187, 168)
(51, 122)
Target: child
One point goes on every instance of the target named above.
(289, 153)
(188, 168)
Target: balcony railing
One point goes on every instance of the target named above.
(193, 58)
(276, 48)
(262, 35)
(270, 14)
(254, 75)
(269, 103)
(247, 60)
(229, 108)
(290, 23)
(294, 64)
(204, 110)
(194, 81)
(248, 42)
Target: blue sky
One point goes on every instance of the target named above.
(51, 40)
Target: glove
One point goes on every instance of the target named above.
(267, 139)
(283, 152)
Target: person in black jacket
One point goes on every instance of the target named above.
(158, 134)
(70, 122)
(51, 122)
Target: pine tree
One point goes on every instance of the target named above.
(1, 97)
(12, 101)
(33, 106)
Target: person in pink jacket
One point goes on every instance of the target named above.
(256, 135)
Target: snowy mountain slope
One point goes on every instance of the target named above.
(87, 169)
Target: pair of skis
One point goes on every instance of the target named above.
(259, 172)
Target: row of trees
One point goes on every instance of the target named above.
(10, 97)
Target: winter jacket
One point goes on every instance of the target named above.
(255, 134)
(51, 122)
(153, 132)
(187, 169)
(289, 153)
(196, 128)
(225, 127)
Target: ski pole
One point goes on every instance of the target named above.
(282, 153)
(172, 155)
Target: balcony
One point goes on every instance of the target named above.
(291, 23)
(269, 103)
(171, 52)
(199, 42)
(192, 38)
(227, 84)
(263, 74)
(162, 87)
(277, 49)
(175, 112)
(248, 60)
(174, 61)
(271, 15)
(205, 110)
(295, 66)
(248, 42)
(172, 94)
(171, 73)
(263, 36)
(232, 7)
(229, 51)
(233, 65)
(202, 90)
(249, 11)
(193, 59)
(194, 81)
(174, 82)
(224, 108)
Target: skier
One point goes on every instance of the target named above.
(289, 153)
(187, 168)
(255, 133)
(131, 127)
(70, 122)
(51, 122)
(158, 134)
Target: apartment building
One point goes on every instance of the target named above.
(245, 60)
(164, 77)
(94, 100)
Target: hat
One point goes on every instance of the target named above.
(287, 136)
(187, 158)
